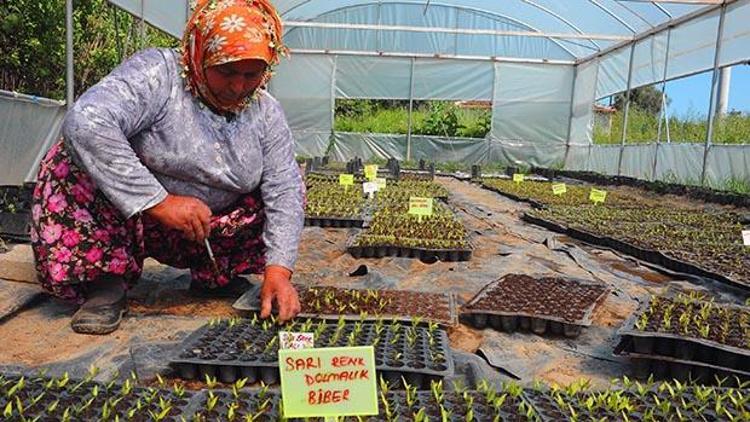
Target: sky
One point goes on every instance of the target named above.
(691, 95)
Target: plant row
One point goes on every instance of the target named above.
(237, 348)
(541, 194)
(42, 398)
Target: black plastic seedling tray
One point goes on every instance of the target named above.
(242, 351)
(334, 222)
(534, 203)
(669, 367)
(643, 254)
(445, 255)
(15, 226)
(250, 302)
(692, 349)
(505, 319)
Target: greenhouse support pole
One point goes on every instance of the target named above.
(570, 116)
(627, 110)
(663, 111)
(714, 89)
(411, 109)
(334, 69)
(69, 80)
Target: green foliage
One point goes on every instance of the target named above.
(692, 127)
(32, 33)
(437, 118)
(646, 98)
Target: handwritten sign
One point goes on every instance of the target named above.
(518, 178)
(421, 207)
(370, 188)
(296, 341)
(559, 188)
(381, 182)
(371, 172)
(598, 196)
(337, 381)
(746, 237)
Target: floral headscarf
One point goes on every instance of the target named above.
(226, 31)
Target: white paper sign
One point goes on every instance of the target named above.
(370, 187)
(746, 237)
(296, 341)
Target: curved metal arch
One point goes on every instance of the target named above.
(614, 15)
(545, 10)
(486, 13)
(638, 15)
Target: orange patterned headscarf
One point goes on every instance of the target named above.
(226, 31)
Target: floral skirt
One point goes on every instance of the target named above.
(78, 236)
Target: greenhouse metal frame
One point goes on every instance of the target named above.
(542, 64)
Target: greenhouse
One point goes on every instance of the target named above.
(382, 210)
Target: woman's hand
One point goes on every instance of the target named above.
(189, 215)
(276, 285)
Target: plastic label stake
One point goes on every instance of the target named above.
(746, 237)
(370, 188)
(518, 178)
(371, 172)
(559, 188)
(296, 341)
(421, 207)
(346, 180)
(328, 382)
(598, 196)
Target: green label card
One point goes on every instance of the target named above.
(371, 172)
(518, 178)
(381, 182)
(337, 381)
(420, 206)
(598, 196)
(346, 179)
(559, 188)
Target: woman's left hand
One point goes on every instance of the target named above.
(277, 286)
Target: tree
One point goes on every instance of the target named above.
(32, 42)
(646, 98)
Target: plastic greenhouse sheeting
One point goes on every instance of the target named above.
(28, 127)
(532, 103)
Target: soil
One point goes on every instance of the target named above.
(517, 294)
(327, 300)
(180, 303)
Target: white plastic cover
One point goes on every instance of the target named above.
(736, 36)
(28, 127)
(532, 103)
(582, 120)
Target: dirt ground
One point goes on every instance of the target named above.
(162, 313)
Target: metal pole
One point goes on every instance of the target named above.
(663, 111)
(570, 117)
(627, 111)
(69, 80)
(714, 88)
(411, 109)
(334, 68)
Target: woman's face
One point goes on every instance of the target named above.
(232, 82)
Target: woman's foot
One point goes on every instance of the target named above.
(103, 310)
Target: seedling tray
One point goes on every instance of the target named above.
(257, 405)
(534, 203)
(430, 307)
(15, 226)
(643, 254)
(90, 397)
(424, 254)
(688, 348)
(334, 222)
(247, 350)
(669, 367)
(541, 305)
